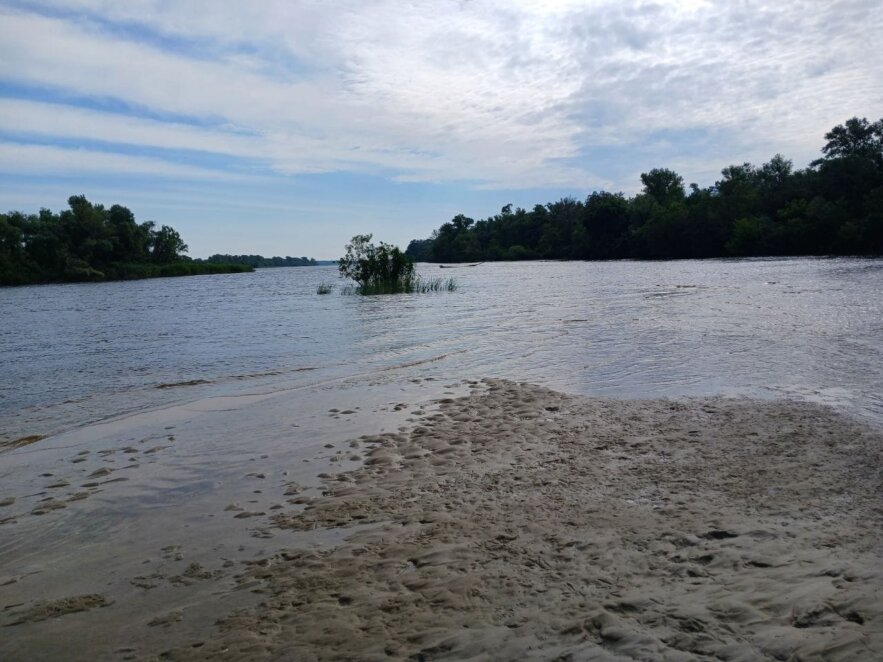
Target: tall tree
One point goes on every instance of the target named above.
(663, 185)
(167, 245)
(856, 138)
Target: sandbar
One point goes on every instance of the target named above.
(500, 521)
(521, 523)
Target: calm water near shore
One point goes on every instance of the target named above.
(804, 328)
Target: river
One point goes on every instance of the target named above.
(803, 328)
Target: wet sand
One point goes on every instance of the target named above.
(122, 538)
(512, 522)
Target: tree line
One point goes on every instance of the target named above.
(89, 242)
(261, 262)
(832, 207)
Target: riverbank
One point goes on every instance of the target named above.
(118, 272)
(518, 522)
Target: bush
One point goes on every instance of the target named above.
(382, 269)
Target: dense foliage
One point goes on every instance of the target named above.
(90, 243)
(261, 262)
(833, 207)
(382, 269)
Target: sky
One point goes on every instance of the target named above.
(285, 128)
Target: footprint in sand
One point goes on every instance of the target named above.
(172, 553)
(98, 473)
(43, 611)
(48, 505)
(147, 581)
(248, 513)
(166, 620)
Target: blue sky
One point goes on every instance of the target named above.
(283, 128)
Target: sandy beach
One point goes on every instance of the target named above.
(508, 521)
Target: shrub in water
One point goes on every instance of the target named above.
(382, 269)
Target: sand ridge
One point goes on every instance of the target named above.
(521, 523)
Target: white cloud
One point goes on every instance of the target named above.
(64, 121)
(21, 159)
(500, 94)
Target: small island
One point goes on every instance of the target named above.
(261, 262)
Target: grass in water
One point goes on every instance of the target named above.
(435, 285)
(415, 285)
(324, 288)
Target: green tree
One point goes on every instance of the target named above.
(606, 219)
(663, 185)
(738, 194)
(85, 231)
(10, 238)
(131, 241)
(167, 245)
(856, 138)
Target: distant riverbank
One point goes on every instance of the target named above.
(133, 272)
(91, 243)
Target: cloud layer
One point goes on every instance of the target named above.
(480, 94)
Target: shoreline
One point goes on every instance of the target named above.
(518, 522)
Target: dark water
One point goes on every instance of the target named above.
(802, 328)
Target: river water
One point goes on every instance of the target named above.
(804, 328)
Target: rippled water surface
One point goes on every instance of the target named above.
(803, 328)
